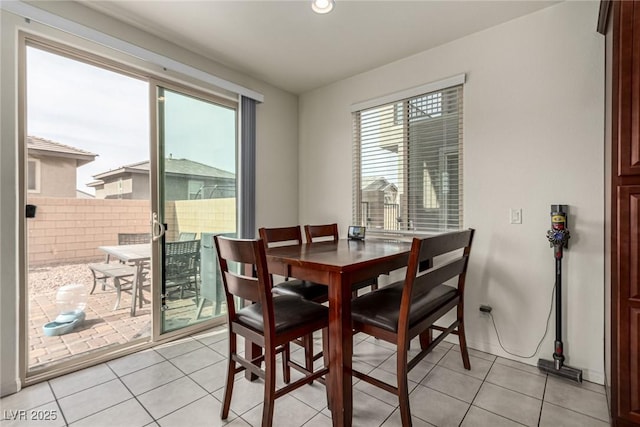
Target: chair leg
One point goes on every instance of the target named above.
(94, 282)
(116, 283)
(228, 388)
(307, 342)
(134, 296)
(269, 387)
(200, 307)
(374, 286)
(286, 369)
(403, 384)
(326, 359)
(425, 338)
(463, 345)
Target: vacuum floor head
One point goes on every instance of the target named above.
(565, 371)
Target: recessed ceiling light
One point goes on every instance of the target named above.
(322, 6)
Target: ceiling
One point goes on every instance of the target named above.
(287, 45)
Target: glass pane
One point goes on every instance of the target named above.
(198, 194)
(409, 172)
(31, 175)
(87, 153)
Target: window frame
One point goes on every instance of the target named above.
(406, 202)
(37, 175)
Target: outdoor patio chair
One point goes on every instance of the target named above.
(133, 238)
(182, 264)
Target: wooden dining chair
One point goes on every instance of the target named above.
(404, 310)
(272, 322)
(324, 232)
(316, 292)
(321, 232)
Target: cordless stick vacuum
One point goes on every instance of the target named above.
(558, 237)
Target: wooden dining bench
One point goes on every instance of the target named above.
(118, 272)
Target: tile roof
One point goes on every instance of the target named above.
(41, 144)
(173, 167)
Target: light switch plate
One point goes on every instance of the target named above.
(515, 216)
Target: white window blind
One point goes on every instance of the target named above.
(408, 164)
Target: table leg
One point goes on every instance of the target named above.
(134, 295)
(341, 349)
(140, 281)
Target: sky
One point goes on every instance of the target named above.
(107, 113)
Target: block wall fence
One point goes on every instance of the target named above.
(68, 231)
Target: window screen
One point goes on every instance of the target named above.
(408, 164)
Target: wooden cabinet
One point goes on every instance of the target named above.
(624, 73)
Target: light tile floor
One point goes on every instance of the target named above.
(182, 383)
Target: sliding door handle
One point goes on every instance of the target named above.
(157, 228)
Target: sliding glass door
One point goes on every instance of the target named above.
(124, 183)
(86, 187)
(197, 198)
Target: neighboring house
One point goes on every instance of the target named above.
(52, 167)
(184, 180)
(380, 203)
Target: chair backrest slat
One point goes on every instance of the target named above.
(236, 250)
(182, 247)
(444, 243)
(186, 236)
(242, 286)
(283, 235)
(432, 278)
(133, 238)
(314, 232)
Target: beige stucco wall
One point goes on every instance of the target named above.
(533, 136)
(57, 177)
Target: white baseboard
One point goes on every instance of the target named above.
(9, 387)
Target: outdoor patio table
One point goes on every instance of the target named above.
(138, 254)
(338, 265)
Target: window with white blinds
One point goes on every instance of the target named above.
(408, 164)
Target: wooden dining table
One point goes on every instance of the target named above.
(339, 265)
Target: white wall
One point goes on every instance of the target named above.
(277, 131)
(533, 136)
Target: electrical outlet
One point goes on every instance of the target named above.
(485, 308)
(515, 216)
